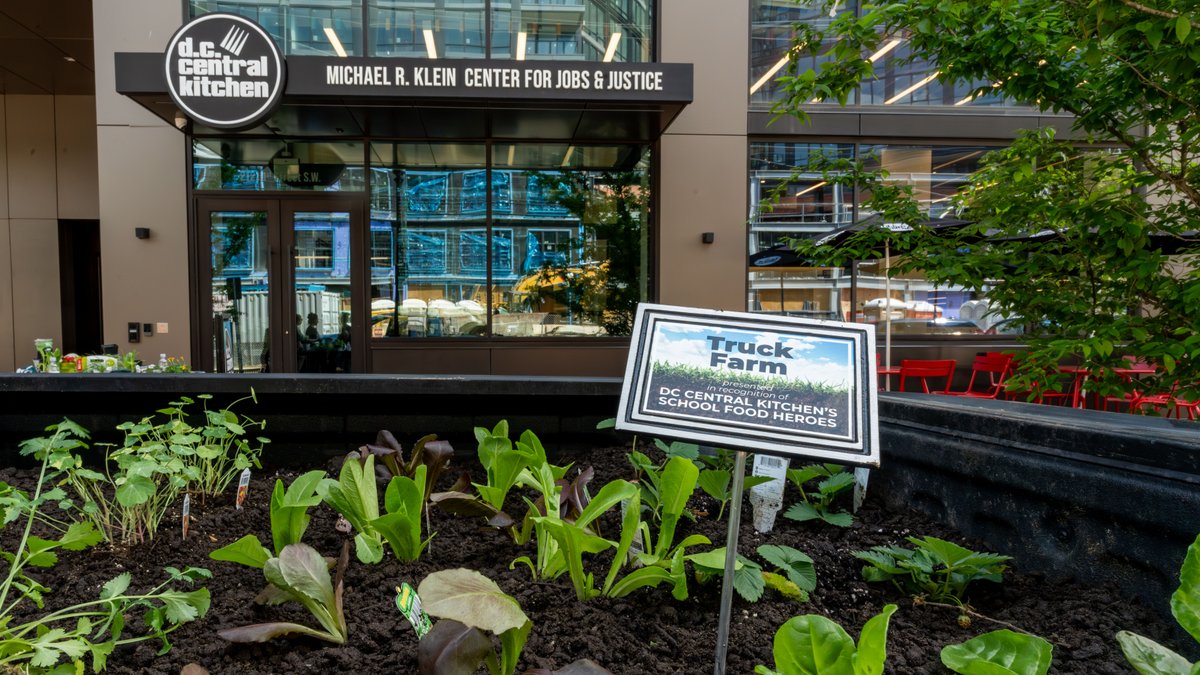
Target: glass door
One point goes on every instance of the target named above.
(278, 293)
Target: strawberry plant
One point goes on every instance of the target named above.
(817, 505)
(935, 569)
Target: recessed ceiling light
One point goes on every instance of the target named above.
(69, 59)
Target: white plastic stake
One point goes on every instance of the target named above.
(767, 498)
(861, 476)
(187, 514)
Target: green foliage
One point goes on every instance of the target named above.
(401, 526)
(71, 637)
(1127, 72)
(300, 574)
(289, 509)
(476, 602)
(796, 565)
(798, 576)
(1000, 652)
(158, 460)
(813, 645)
(1150, 658)
(834, 480)
(429, 452)
(935, 569)
(717, 483)
(355, 496)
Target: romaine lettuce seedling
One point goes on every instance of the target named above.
(1002, 652)
(470, 605)
(1151, 658)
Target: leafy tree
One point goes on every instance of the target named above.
(1093, 284)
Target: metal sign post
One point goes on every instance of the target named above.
(731, 542)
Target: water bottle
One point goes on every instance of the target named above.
(162, 362)
(53, 367)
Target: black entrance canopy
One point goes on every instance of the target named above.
(448, 98)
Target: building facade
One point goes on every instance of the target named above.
(446, 186)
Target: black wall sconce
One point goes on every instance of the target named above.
(708, 237)
(141, 232)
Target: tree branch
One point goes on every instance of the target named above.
(1149, 10)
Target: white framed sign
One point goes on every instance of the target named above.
(782, 385)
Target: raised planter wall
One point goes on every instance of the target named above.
(1101, 497)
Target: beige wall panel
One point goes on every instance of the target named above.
(3, 164)
(714, 35)
(128, 26)
(36, 309)
(75, 129)
(703, 189)
(7, 362)
(29, 137)
(142, 184)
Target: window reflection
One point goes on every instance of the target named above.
(560, 255)
(314, 27)
(808, 207)
(896, 81)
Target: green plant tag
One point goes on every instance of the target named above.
(409, 604)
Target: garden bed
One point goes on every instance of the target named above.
(647, 632)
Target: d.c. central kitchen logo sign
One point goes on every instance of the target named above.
(224, 71)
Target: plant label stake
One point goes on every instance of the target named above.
(767, 498)
(861, 476)
(243, 488)
(731, 540)
(187, 513)
(409, 604)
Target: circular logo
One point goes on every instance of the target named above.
(224, 71)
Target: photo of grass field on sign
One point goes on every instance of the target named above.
(773, 380)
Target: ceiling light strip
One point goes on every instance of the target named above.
(929, 78)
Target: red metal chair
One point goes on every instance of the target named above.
(994, 367)
(923, 369)
(1168, 402)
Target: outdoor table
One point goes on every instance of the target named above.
(886, 373)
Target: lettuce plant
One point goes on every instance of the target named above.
(1000, 652)
(1149, 657)
(818, 505)
(289, 520)
(61, 640)
(813, 645)
(935, 569)
(470, 605)
(429, 452)
(300, 574)
(355, 496)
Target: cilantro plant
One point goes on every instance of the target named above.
(814, 645)
(834, 480)
(1001, 652)
(1148, 656)
(935, 569)
(61, 640)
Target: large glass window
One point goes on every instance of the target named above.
(318, 27)
(895, 82)
(549, 240)
(791, 200)
(562, 30)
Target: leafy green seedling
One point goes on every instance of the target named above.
(470, 605)
(818, 505)
(355, 496)
(936, 569)
(797, 568)
(1000, 652)
(716, 483)
(1149, 657)
(302, 575)
(429, 452)
(401, 525)
(747, 575)
(814, 645)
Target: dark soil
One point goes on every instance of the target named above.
(646, 633)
